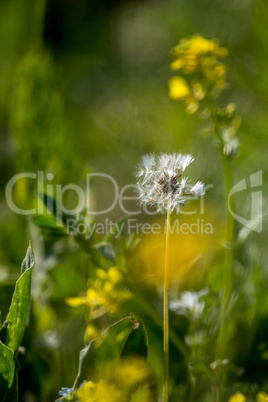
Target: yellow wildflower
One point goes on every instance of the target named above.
(197, 57)
(178, 88)
(176, 65)
(114, 275)
(103, 391)
(262, 397)
(237, 397)
(108, 287)
(214, 73)
(87, 391)
(190, 63)
(76, 301)
(119, 380)
(200, 45)
(104, 295)
(101, 274)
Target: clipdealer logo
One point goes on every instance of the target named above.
(254, 222)
(120, 197)
(133, 226)
(117, 197)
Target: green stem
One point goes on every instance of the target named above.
(228, 257)
(165, 315)
(228, 261)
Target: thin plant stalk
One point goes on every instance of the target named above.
(166, 314)
(228, 260)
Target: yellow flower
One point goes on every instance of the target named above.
(117, 383)
(178, 88)
(86, 392)
(262, 397)
(92, 295)
(108, 287)
(101, 274)
(190, 63)
(196, 47)
(237, 397)
(200, 45)
(199, 57)
(104, 295)
(76, 301)
(177, 64)
(102, 391)
(114, 275)
(214, 73)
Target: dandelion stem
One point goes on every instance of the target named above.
(165, 315)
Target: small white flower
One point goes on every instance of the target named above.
(190, 303)
(161, 184)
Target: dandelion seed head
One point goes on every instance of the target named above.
(160, 181)
(198, 188)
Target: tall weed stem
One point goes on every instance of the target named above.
(166, 315)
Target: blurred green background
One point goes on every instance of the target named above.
(83, 88)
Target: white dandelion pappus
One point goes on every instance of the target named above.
(161, 184)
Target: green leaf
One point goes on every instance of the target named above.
(28, 261)
(117, 339)
(7, 365)
(55, 208)
(18, 310)
(8, 374)
(48, 222)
